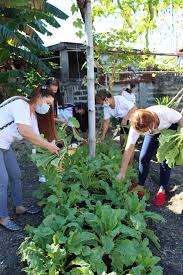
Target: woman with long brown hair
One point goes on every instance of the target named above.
(18, 120)
(47, 121)
(149, 122)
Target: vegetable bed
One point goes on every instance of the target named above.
(92, 224)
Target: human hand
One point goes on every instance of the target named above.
(101, 140)
(124, 121)
(52, 148)
(120, 176)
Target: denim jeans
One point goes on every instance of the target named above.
(9, 171)
(149, 148)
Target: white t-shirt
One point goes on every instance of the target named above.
(65, 114)
(122, 107)
(19, 112)
(130, 97)
(167, 117)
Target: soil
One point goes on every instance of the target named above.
(170, 233)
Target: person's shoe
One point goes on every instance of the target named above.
(11, 225)
(42, 179)
(21, 210)
(160, 199)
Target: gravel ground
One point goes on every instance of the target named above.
(170, 232)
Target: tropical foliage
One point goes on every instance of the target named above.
(21, 23)
(134, 21)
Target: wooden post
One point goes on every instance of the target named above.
(90, 79)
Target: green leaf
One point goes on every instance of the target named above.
(150, 234)
(49, 8)
(78, 23)
(95, 259)
(74, 122)
(77, 240)
(127, 251)
(107, 243)
(74, 8)
(138, 221)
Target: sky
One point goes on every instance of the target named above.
(163, 39)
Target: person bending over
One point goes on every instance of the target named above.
(149, 122)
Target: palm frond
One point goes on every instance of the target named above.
(13, 3)
(32, 59)
(38, 26)
(6, 33)
(49, 8)
(5, 76)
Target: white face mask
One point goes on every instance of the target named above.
(42, 109)
(106, 104)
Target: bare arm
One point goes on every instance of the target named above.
(125, 161)
(105, 128)
(127, 117)
(27, 132)
(60, 120)
(181, 122)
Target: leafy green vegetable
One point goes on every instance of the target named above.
(91, 223)
(170, 148)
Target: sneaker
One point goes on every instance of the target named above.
(42, 179)
(160, 199)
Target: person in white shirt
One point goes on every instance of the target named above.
(114, 106)
(150, 122)
(128, 93)
(78, 111)
(17, 121)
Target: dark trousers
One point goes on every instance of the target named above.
(149, 148)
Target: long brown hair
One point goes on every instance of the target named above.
(46, 123)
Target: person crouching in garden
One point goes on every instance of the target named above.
(78, 111)
(17, 121)
(150, 122)
(115, 106)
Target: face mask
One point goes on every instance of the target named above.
(42, 108)
(106, 104)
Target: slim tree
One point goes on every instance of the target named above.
(86, 11)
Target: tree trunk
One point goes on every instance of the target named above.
(90, 79)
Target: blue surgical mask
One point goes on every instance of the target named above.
(42, 109)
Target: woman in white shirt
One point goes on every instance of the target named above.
(17, 121)
(150, 122)
(114, 106)
(128, 93)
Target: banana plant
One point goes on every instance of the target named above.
(20, 23)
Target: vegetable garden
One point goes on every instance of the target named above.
(92, 224)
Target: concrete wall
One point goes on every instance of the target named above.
(146, 92)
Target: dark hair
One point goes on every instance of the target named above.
(58, 95)
(101, 96)
(52, 81)
(41, 91)
(129, 90)
(82, 118)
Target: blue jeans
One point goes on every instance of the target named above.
(9, 171)
(149, 148)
